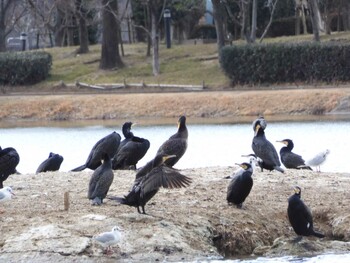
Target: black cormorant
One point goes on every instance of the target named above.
(100, 181)
(9, 160)
(176, 144)
(290, 159)
(240, 185)
(131, 149)
(300, 216)
(52, 163)
(108, 144)
(263, 148)
(148, 183)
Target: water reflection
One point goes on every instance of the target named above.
(209, 144)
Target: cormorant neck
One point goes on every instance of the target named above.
(127, 133)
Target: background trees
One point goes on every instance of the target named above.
(83, 22)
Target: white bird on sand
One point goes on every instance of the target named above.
(252, 160)
(318, 159)
(107, 239)
(6, 193)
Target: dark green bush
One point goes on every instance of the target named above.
(278, 63)
(24, 68)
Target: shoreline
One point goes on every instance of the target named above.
(197, 105)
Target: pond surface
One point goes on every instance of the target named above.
(209, 144)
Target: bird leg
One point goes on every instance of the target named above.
(297, 239)
(96, 201)
(108, 251)
(143, 210)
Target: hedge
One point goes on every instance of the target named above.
(278, 63)
(24, 68)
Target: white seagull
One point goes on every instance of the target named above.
(107, 239)
(6, 193)
(318, 159)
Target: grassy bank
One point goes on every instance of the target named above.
(181, 64)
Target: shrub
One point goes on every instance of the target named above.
(24, 68)
(276, 63)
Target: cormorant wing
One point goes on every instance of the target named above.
(163, 176)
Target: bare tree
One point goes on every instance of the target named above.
(83, 31)
(314, 13)
(11, 11)
(271, 4)
(218, 14)
(110, 57)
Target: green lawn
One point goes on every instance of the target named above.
(181, 64)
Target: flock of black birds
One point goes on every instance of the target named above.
(110, 153)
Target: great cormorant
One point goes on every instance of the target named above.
(52, 163)
(108, 144)
(100, 181)
(263, 148)
(131, 149)
(176, 144)
(9, 160)
(290, 159)
(149, 183)
(240, 185)
(300, 216)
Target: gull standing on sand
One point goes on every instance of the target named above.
(107, 239)
(6, 193)
(318, 159)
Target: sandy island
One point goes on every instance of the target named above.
(181, 225)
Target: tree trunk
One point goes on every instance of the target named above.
(303, 19)
(155, 42)
(59, 28)
(2, 36)
(254, 21)
(110, 57)
(297, 22)
(314, 19)
(83, 31)
(219, 23)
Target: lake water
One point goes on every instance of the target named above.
(209, 144)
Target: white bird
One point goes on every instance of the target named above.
(107, 239)
(252, 160)
(318, 159)
(6, 193)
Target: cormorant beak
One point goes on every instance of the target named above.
(168, 157)
(257, 129)
(284, 142)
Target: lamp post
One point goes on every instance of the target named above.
(23, 38)
(167, 17)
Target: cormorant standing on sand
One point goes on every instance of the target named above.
(108, 144)
(176, 144)
(240, 185)
(300, 216)
(131, 149)
(263, 148)
(290, 159)
(100, 181)
(53, 163)
(155, 175)
(9, 160)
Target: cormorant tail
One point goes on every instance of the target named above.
(304, 167)
(120, 200)
(318, 234)
(277, 168)
(79, 168)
